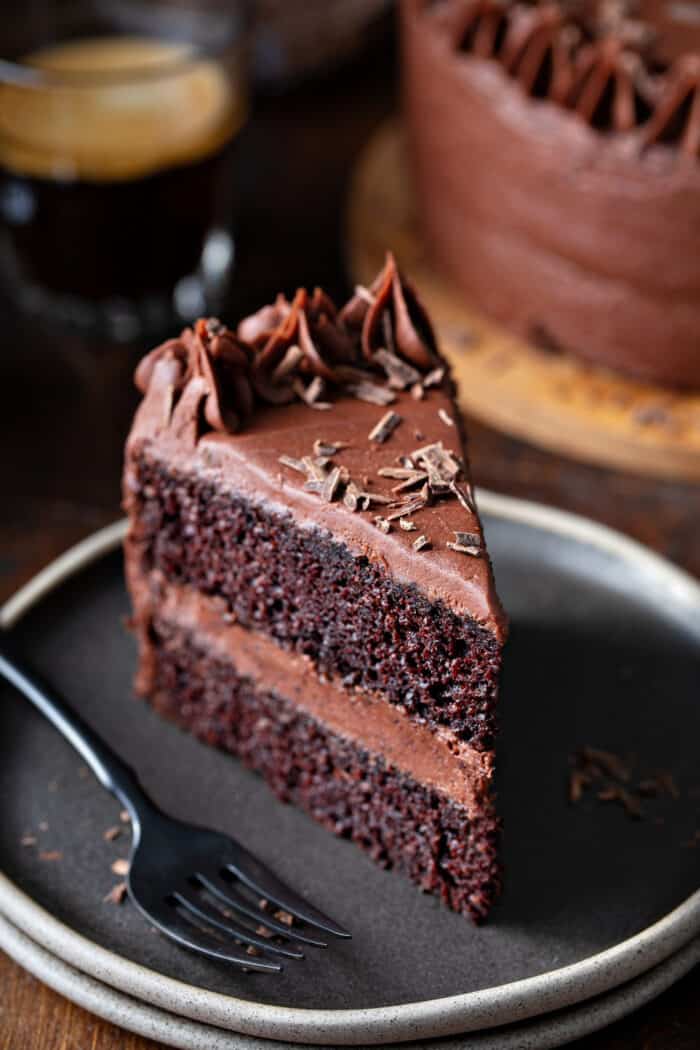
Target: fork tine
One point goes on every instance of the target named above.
(209, 914)
(263, 881)
(197, 940)
(227, 897)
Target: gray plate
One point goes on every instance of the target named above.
(605, 650)
(542, 1033)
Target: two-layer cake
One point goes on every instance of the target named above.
(310, 583)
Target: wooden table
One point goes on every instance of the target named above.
(65, 407)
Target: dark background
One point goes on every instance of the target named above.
(65, 406)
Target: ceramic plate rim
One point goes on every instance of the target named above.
(143, 1019)
(470, 1011)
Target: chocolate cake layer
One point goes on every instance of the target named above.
(313, 596)
(356, 793)
(433, 757)
(566, 208)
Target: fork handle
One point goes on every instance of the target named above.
(108, 767)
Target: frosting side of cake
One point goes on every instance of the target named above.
(573, 226)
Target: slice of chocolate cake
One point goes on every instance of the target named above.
(310, 583)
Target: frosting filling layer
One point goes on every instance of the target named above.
(435, 758)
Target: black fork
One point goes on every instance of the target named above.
(199, 887)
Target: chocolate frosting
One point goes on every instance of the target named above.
(592, 56)
(589, 240)
(380, 466)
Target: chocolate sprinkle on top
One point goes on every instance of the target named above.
(468, 539)
(371, 392)
(293, 464)
(399, 373)
(328, 448)
(329, 489)
(463, 548)
(385, 427)
(421, 542)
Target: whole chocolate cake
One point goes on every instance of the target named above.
(556, 153)
(310, 584)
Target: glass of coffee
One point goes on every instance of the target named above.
(117, 129)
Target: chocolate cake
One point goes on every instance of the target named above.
(555, 148)
(310, 585)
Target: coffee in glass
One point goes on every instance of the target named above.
(116, 177)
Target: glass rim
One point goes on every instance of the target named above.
(24, 74)
(223, 34)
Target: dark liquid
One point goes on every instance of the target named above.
(126, 238)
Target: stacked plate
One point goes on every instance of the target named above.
(600, 913)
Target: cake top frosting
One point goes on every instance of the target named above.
(344, 416)
(621, 65)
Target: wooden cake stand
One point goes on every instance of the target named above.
(550, 399)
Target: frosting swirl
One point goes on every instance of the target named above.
(590, 56)
(391, 317)
(213, 377)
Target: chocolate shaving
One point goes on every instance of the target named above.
(463, 548)
(610, 763)
(406, 525)
(421, 543)
(463, 491)
(328, 448)
(468, 539)
(117, 894)
(313, 471)
(406, 509)
(578, 780)
(352, 496)
(330, 486)
(446, 417)
(400, 473)
(386, 426)
(311, 393)
(399, 373)
(383, 524)
(417, 392)
(433, 378)
(371, 392)
(293, 464)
